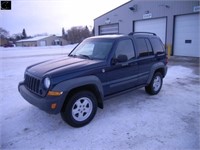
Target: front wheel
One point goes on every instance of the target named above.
(155, 85)
(80, 109)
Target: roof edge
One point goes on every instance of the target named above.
(37, 38)
(113, 9)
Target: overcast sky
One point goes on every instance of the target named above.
(49, 16)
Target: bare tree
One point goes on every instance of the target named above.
(4, 33)
(78, 34)
(17, 36)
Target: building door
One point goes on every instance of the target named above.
(186, 35)
(157, 26)
(42, 43)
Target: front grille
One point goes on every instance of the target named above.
(32, 83)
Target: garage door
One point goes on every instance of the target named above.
(42, 43)
(186, 36)
(157, 26)
(109, 29)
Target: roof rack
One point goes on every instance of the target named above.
(132, 33)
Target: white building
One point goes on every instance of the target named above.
(177, 23)
(42, 41)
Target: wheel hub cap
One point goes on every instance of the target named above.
(156, 83)
(82, 109)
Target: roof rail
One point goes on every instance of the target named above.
(132, 33)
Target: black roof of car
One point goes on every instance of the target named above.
(117, 36)
(112, 36)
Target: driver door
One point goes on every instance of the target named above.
(122, 75)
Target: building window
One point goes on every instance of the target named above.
(57, 42)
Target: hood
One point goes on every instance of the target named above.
(63, 65)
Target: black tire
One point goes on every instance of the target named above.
(80, 109)
(155, 85)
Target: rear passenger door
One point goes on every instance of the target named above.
(145, 57)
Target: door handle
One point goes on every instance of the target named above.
(125, 64)
(133, 63)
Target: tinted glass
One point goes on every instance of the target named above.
(149, 47)
(157, 45)
(141, 47)
(94, 49)
(125, 47)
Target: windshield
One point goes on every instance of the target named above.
(93, 49)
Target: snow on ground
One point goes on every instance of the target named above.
(135, 120)
(34, 51)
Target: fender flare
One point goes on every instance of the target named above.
(68, 85)
(156, 66)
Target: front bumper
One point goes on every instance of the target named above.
(43, 103)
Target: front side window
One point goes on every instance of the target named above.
(93, 49)
(125, 47)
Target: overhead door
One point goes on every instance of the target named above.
(109, 29)
(157, 26)
(186, 35)
(42, 43)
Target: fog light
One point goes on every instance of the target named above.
(53, 106)
(54, 93)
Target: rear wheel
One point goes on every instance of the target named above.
(80, 109)
(155, 84)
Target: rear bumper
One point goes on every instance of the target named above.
(43, 103)
(165, 71)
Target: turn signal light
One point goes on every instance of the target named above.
(54, 93)
(53, 106)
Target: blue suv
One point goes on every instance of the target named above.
(99, 67)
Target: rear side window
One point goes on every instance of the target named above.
(150, 50)
(157, 45)
(125, 47)
(143, 47)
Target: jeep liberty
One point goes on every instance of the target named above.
(97, 68)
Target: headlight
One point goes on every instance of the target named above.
(47, 82)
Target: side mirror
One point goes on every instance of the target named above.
(122, 58)
(119, 59)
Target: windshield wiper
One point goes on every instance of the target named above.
(85, 56)
(73, 55)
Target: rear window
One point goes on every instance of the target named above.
(157, 45)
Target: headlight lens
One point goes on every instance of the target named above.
(47, 82)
